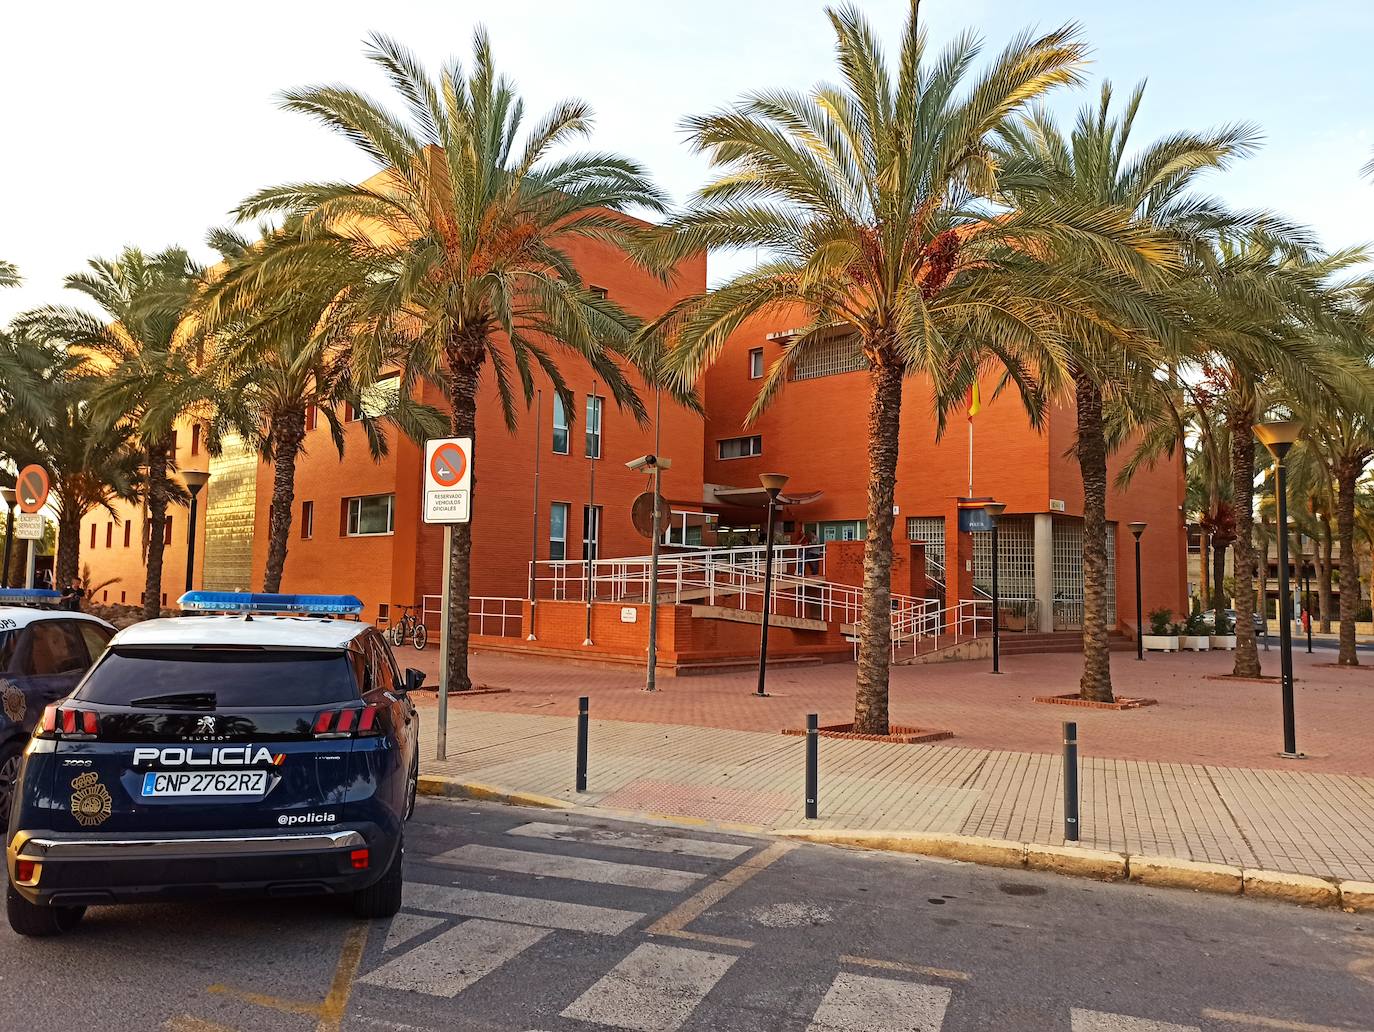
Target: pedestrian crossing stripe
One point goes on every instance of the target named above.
(405, 927)
(645, 841)
(553, 865)
(523, 910)
(1101, 1021)
(454, 960)
(654, 989)
(865, 1003)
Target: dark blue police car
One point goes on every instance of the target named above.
(274, 751)
(42, 655)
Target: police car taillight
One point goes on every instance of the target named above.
(68, 721)
(347, 722)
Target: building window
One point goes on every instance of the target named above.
(312, 417)
(755, 363)
(830, 357)
(593, 427)
(167, 531)
(599, 292)
(109, 535)
(195, 439)
(560, 426)
(381, 397)
(739, 447)
(128, 532)
(174, 442)
(307, 519)
(591, 532)
(383, 614)
(92, 535)
(370, 516)
(122, 597)
(558, 531)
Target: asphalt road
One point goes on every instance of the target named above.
(520, 919)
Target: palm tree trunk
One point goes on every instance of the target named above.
(463, 360)
(1241, 420)
(1218, 600)
(158, 491)
(68, 545)
(1096, 684)
(875, 625)
(1205, 564)
(1347, 474)
(1324, 575)
(288, 431)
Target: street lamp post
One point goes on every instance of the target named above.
(194, 479)
(773, 483)
(1279, 437)
(8, 494)
(995, 510)
(1137, 529)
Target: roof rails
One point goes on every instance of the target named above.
(39, 597)
(248, 603)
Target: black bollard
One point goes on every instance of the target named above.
(813, 740)
(1070, 781)
(582, 744)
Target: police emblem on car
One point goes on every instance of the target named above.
(90, 800)
(15, 703)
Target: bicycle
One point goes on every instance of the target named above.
(408, 627)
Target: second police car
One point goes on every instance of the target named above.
(269, 749)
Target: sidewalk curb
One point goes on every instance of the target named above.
(437, 785)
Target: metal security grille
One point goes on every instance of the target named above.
(1068, 573)
(829, 357)
(930, 531)
(1015, 559)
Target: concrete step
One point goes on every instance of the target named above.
(751, 617)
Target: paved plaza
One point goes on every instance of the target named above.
(1195, 777)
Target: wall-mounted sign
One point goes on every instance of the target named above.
(1056, 505)
(629, 614)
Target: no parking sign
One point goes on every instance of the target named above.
(448, 480)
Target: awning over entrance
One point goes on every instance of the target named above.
(745, 506)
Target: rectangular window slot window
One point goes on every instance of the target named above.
(593, 427)
(558, 531)
(739, 447)
(307, 519)
(560, 426)
(756, 363)
(370, 516)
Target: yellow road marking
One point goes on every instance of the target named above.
(714, 940)
(332, 1011)
(676, 920)
(1259, 1021)
(911, 969)
(275, 1003)
(187, 1023)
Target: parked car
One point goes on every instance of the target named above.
(43, 653)
(262, 754)
(1210, 619)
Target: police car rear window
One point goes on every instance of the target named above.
(219, 678)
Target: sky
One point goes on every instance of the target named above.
(146, 122)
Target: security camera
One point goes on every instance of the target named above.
(649, 462)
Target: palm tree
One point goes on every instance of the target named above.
(454, 254)
(274, 364)
(1094, 165)
(876, 203)
(89, 464)
(9, 275)
(149, 378)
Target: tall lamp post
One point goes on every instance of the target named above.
(7, 493)
(773, 483)
(1307, 595)
(1279, 437)
(995, 510)
(1136, 530)
(194, 479)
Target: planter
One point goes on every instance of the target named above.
(1194, 642)
(1160, 642)
(1222, 641)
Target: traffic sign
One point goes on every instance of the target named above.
(448, 480)
(31, 488)
(29, 526)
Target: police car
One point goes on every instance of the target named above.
(42, 656)
(268, 749)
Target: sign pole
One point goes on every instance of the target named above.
(441, 753)
(31, 564)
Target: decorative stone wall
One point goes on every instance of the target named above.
(229, 515)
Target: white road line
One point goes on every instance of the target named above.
(647, 841)
(1101, 1021)
(550, 865)
(525, 910)
(405, 927)
(449, 963)
(654, 989)
(863, 1003)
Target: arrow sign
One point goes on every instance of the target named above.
(448, 480)
(448, 465)
(31, 488)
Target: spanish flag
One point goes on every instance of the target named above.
(975, 401)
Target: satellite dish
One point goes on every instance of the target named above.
(642, 513)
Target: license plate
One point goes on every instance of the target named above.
(205, 783)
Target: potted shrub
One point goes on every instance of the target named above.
(1193, 634)
(1223, 635)
(1161, 637)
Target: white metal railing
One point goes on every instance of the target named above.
(493, 615)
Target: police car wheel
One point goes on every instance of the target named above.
(412, 786)
(383, 897)
(9, 775)
(30, 919)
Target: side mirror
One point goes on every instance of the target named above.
(415, 680)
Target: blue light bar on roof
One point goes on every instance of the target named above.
(249, 602)
(29, 596)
